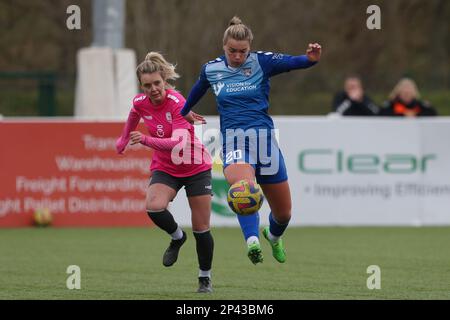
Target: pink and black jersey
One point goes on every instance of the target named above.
(177, 151)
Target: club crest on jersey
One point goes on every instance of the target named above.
(169, 117)
(247, 72)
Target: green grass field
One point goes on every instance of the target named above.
(323, 263)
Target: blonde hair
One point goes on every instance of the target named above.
(155, 62)
(237, 31)
(401, 85)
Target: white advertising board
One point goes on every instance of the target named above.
(352, 171)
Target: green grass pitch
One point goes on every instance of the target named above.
(322, 263)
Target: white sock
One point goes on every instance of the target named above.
(202, 273)
(177, 235)
(272, 237)
(252, 239)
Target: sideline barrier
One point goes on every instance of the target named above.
(72, 169)
(342, 171)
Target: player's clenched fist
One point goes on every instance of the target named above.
(314, 51)
(135, 137)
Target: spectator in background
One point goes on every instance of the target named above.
(404, 101)
(352, 101)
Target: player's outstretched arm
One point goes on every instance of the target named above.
(274, 64)
(161, 144)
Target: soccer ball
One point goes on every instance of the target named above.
(42, 217)
(245, 197)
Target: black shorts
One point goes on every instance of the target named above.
(196, 185)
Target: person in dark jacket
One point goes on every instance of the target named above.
(404, 101)
(352, 101)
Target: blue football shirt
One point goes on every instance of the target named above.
(242, 94)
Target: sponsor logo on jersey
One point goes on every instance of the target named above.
(217, 87)
(148, 117)
(160, 130)
(240, 86)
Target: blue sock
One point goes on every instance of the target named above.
(275, 228)
(249, 225)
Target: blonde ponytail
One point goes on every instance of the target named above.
(155, 62)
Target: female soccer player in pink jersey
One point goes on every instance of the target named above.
(179, 159)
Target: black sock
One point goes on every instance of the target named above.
(164, 220)
(205, 248)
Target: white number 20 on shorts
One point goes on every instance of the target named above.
(233, 155)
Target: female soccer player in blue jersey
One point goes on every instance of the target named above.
(240, 81)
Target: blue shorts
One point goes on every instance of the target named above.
(267, 161)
